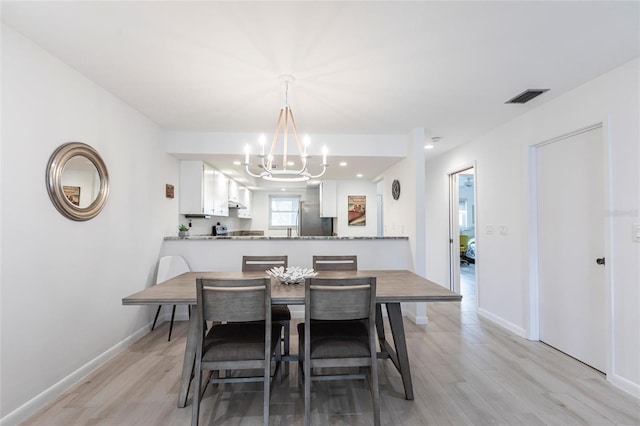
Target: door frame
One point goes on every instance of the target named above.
(454, 227)
(533, 314)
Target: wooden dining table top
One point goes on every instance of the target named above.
(392, 286)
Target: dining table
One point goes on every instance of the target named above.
(393, 287)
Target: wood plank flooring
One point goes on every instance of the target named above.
(466, 371)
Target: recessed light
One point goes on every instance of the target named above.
(429, 146)
(237, 163)
(283, 189)
(343, 163)
(290, 163)
(359, 175)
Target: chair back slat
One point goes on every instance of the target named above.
(340, 298)
(233, 300)
(262, 263)
(335, 263)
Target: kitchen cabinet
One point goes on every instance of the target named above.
(220, 194)
(245, 195)
(328, 198)
(196, 188)
(234, 192)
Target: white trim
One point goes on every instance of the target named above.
(49, 395)
(454, 228)
(626, 385)
(519, 331)
(419, 320)
(533, 307)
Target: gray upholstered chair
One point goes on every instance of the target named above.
(335, 263)
(169, 267)
(242, 337)
(339, 331)
(279, 313)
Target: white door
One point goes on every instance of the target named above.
(571, 231)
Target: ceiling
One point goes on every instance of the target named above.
(367, 68)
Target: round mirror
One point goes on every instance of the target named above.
(77, 181)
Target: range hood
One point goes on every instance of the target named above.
(236, 205)
(198, 216)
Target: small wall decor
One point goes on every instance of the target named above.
(169, 191)
(395, 189)
(75, 168)
(357, 206)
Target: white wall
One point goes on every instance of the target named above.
(504, 262)
(62, 281)
(341, 223)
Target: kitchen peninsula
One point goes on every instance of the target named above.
(224, 253)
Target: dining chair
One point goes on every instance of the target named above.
(464, 244)
(279, 313)
(338, 331)
(335, 263)
(169, 267)
(242, 336)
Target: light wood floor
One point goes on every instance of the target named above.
(465, 370)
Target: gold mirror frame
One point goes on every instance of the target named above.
(55, 169)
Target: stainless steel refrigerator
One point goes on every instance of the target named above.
(309, 221)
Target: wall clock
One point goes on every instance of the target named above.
(395, 189)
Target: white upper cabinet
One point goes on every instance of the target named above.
(234, 192)
(196, 188)
(221, 194)
(328, 198)
(245, 200)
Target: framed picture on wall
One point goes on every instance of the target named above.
(73, 194)
(357, 206)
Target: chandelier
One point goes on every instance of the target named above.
(270, 170)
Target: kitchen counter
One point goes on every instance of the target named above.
(262, 237)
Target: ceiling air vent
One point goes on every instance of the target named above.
(526, 96)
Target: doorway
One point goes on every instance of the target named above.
(462, 236)
(572, 283)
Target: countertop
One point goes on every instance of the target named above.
(211, 237)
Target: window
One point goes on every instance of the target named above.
(283, 211)
(462, 214)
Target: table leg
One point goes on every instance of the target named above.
(188, 362)
(380, 327)
(400, 356)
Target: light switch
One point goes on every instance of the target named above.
(489, 229)
(503, 229)
(636, 232)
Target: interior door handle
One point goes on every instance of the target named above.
(600, 261)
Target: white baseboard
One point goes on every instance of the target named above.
(419, 320)
(623, 384)
(519, 331)
(49, 395)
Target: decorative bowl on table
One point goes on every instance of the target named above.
(291, 275)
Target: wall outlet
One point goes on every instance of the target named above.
(635, 228)
(503, 229)
(489, 229)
